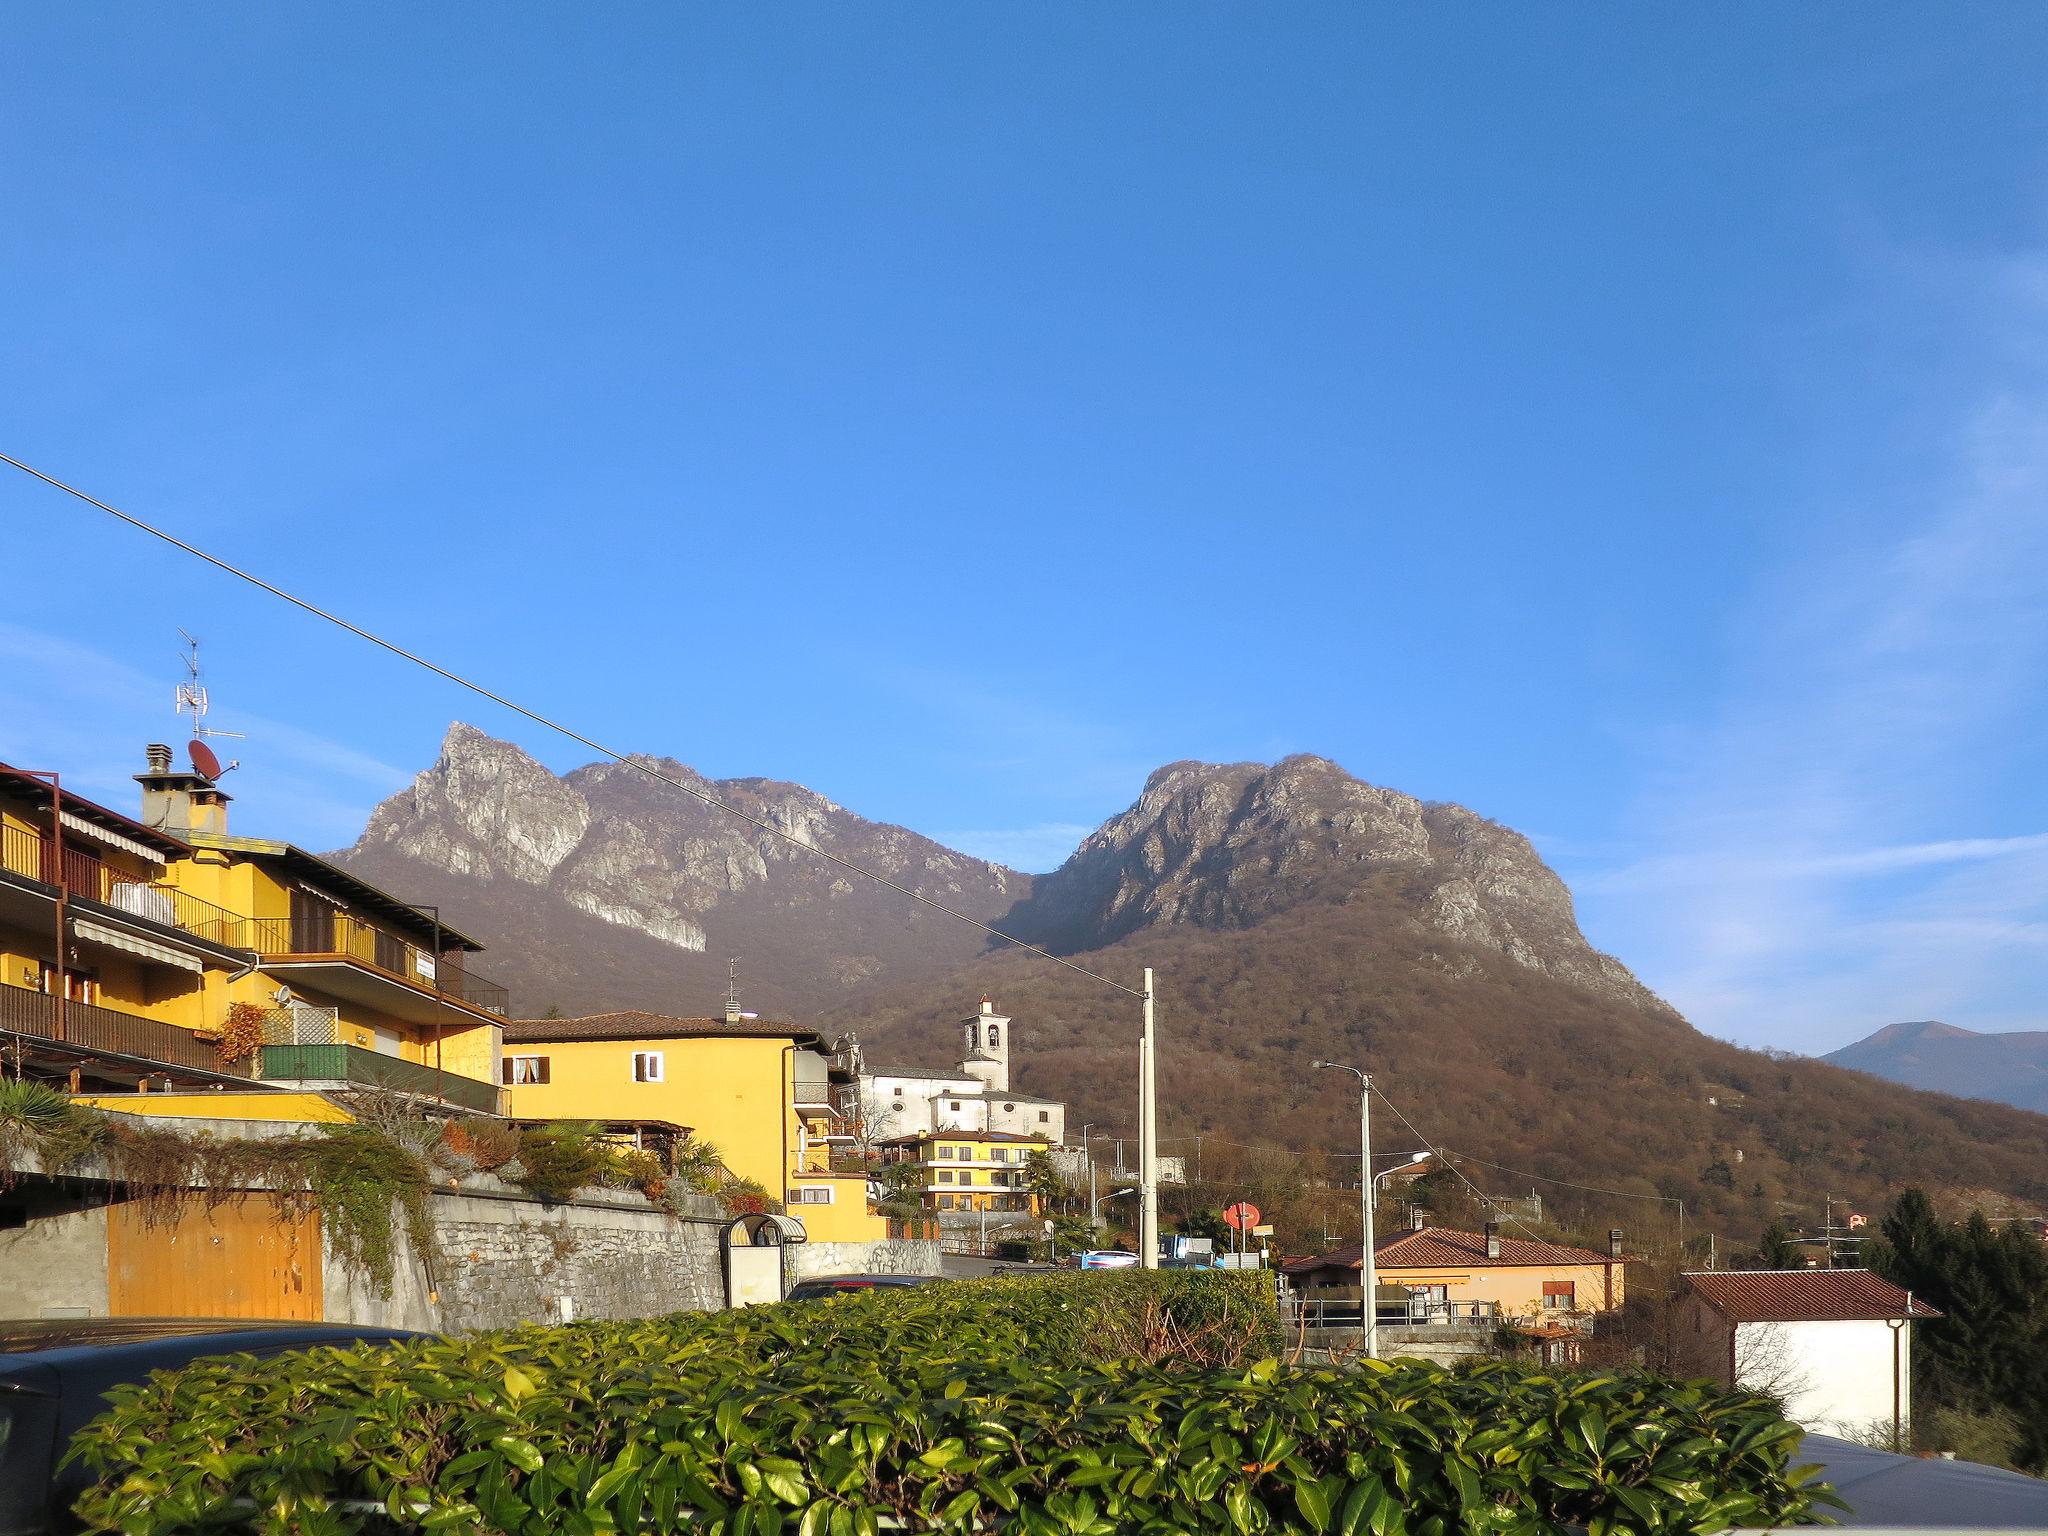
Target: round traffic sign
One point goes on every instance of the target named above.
(1241, 1217)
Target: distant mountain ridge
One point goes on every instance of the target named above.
(1943, 1058)
(1292, 912)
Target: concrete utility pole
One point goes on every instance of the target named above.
(1148, 1139)
(1368, 1263)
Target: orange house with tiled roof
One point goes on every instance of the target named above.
(1443, 1268)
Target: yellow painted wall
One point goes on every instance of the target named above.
(729, 1090)
(310, 1108)
(1517, 1288)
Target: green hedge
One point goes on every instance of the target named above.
(1015, 1404)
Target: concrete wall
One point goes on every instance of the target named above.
(896, 1256)
(1834, 1378)
(56, 1266)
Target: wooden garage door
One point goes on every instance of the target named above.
(252, 1257)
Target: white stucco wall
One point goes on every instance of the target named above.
(1835, 1378)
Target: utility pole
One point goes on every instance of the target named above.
(1368, 1262)
(1148, 1140)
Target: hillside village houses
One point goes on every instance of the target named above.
(973, 1096)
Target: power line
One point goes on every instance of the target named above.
(1444, 1158)
(539, 719)
(1595, 1189)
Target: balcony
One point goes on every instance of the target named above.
(84, 876)
(299, 1046)
(360, 963)
(88, 1028)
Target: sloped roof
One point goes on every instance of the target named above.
(1448, 1248)
(634, 1025)
(915, 1073)
(1804, 1295)
(1002, 1136)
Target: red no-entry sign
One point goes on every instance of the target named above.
(1241, 1217)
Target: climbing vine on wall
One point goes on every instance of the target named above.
(240, 1034)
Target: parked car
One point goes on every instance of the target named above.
(820, 1286)
(1109, 1258)
(55, 1373)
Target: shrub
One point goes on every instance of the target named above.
(988, 1404)
(562, 1157)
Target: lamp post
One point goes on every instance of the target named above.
(1368, 1269)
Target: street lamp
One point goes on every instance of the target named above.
(1413, 1159)
(1095, 1206)
(1368, 1268)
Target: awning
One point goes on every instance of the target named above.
(135, 944)
(112, 839)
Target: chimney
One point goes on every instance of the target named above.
(1417, 1216)
(1493, 1239)
(1614, 1242)
(179, 801)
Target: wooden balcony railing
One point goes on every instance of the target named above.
(88, 1026)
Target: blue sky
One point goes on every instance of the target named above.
(1629, 424)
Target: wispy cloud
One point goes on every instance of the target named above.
(87, 714)
(1032, 849)
(1878, 687)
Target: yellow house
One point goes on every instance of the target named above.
(133, 994)
(1455, 1276)
(198, 959)
(757, 1090)
(970, 1170)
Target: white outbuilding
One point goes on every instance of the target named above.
(1834, 1345)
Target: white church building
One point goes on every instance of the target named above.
(973, 1096)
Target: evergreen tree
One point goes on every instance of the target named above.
(1989, 1349)
(1776, 1250)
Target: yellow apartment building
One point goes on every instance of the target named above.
(970, 1170)
(196, 959)
(757, 1090)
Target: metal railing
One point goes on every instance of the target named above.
(86, 875)
(90, 1027)
(1344, 1312)
(374, 1069)
(350, 938)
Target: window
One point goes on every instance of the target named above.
(955, 1104)
(80, 985)
(1044, 1115)
(1560, 1295)
(945, 1175)
(1009, 1109)
(812, 1194)
(945, 1202)
(647, 1066)
(995, 1037)
(999, 1154)
(526, 1069)
(946, 1152)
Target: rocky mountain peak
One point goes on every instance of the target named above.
(636, 853)
(1228, 845)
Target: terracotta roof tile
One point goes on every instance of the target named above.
(1448, 1248)
(1803, 1295)
(634, 1025)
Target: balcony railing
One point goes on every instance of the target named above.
(303, 1043)
(338, 934)
(89, 1027)
(85, 874)
(1343, 1312)
(373, 1069)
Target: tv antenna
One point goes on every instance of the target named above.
(191, 699)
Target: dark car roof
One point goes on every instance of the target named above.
(135, 1346)
(861, 1280)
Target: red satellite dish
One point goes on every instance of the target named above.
(1241, 1217)
(203, 760)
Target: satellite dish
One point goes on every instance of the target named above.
(203, 760)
